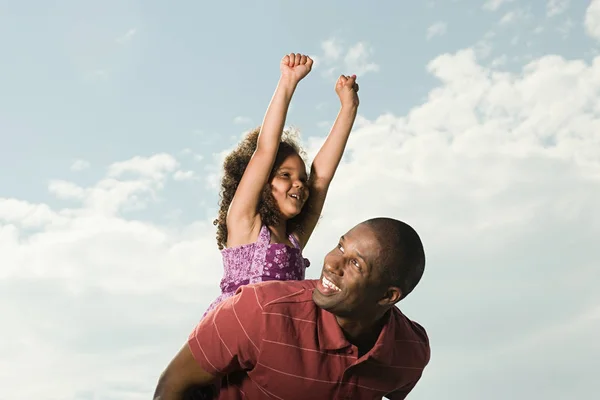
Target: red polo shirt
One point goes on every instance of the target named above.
(272, 341)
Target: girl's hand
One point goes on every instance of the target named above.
(347, 90)
(294, 67)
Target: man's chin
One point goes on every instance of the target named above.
(317, 298)
(321, 300)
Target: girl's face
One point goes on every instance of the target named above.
(289, 187)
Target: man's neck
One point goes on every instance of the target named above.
(363, 333)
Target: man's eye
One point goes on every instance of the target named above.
(356, 264)
(341, 248)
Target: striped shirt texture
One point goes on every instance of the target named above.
(271, 341)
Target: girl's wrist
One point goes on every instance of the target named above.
(287, 83)
(350, 108)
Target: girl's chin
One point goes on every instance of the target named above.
(291, 213)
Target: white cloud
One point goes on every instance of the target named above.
(66, 190)
(240, 120)
(80, 165)
(356, 59)
(556, 7)
(509, 17)
(154, 167)
(499, 61)
(127, 36)
(184, 175)
(190, 152)
(28, 215)
(498, 171)
(565, 27)
(324, 124)
(97, 75)
(493, 5)
(332, 49)
(483, 48)
(92, 246)
(592, 19)
(515, 15)
(437, 29)
(214, 171)
(321, 106)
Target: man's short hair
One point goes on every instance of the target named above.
(402, 260)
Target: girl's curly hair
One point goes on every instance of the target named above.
(233, 168)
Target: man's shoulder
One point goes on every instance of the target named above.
(276, 292)
(411, 338)
(410, 327)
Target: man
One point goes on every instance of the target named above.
(340, 337)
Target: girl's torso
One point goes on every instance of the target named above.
(260, 261)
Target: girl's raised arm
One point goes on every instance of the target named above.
(328, 158)
(242, 216)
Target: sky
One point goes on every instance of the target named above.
(479, 125)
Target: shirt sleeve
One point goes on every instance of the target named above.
(401, 393)
(228, 338)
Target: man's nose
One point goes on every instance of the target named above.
(334, 265)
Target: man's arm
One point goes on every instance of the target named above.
(226, 340)
(182, 373)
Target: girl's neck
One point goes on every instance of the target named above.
(279, 233)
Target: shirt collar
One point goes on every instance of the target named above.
(330, 334)
(383, 350)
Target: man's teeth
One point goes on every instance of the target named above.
(328, 284)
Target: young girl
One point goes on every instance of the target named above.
(269, 205)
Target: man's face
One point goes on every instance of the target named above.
(350, 282)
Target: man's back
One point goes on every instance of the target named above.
(272, 341)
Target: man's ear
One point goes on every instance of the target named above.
(392, 295)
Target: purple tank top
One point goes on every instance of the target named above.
(258, 262)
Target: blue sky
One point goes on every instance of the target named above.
(478, 125)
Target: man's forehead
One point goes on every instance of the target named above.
(364, 238)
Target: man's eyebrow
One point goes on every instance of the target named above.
(343, 238)
(360, 256)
